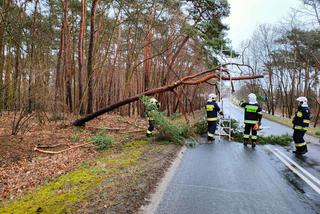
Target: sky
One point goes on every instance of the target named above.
(246, 15)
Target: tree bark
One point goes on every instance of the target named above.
(306, 79)
(91, 56)
(147, 59)
(81, 54)
(67, 57)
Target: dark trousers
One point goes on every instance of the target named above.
(150, 127)
(212, 126)
(301, 146)
(248, 128)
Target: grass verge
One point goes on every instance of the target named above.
(106, 182)
(288, 122)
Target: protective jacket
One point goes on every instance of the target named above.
(301, 119)
(212, 110)
(253, 113)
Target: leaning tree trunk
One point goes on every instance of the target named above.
(188, 80)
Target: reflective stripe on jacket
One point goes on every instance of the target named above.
(212, 109)
(252, 113)
(301, 119)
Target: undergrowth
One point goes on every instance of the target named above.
(168, 131)
(101, 140)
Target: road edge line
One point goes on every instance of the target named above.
(156, 197)
(316, 180)
(310, 183)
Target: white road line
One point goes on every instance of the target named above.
(312, 185)
(316, 180)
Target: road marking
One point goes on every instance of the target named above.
(309, 182)
(316, 180)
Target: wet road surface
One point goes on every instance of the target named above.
(226, 177)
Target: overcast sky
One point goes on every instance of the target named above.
(247, 14)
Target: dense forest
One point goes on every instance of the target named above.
(76, 57)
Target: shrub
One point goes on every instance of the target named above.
(201, 127)
(101, 140)
(75, 138)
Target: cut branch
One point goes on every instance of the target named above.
(61, 151)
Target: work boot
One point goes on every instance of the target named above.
(304, 151)
(148, 135)
(209, 141)
(245, 143)
(253, 145)
(298, 152)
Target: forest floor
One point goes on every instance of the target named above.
(83, 179)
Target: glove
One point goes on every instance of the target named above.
(256, 126)
(221, 113)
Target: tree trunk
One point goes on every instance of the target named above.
(67, 57)
(58, 83)
(147, 59)
(7, 80)
(91, 57)
(306, 79)
(81, 54)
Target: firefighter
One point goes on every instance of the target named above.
(301, 122)
(252, 119)
(212, 113)
(153, 105)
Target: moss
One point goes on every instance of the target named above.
(136, 143)
(57, 196)
(129, 157)
(62, 194)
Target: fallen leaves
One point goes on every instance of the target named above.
(22, 168)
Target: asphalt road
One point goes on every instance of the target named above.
(226, 177)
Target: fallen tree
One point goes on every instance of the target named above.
(195, 79)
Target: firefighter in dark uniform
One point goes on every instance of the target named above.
(301, 123)
(252, 119)
(152, 106)
(212, 116)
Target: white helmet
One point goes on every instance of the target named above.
(303, 101)
(153, 101)
(212, 96)
(252, 98)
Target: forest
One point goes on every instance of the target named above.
(76, 77)
(76, 57)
